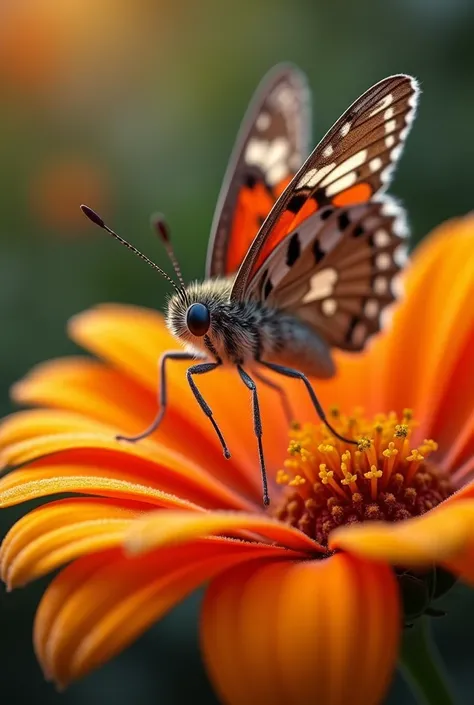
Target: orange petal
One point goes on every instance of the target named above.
(323, 631)
(59, 532)
(174, 473)
(24, 425)
(88, 387)
(175, 527)
(132, 339)
(435, 537)
(24, 485)
(433, 329)
(99, 393)
(100, 603)
(461, 451)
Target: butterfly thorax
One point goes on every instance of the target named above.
(244, 332)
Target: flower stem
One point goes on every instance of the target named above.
(422, 667)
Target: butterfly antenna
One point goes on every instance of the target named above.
(97, 220)
(159, 225)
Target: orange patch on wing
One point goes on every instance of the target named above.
(310, 207)
(287, 222)
(354, 195)
(253, 206)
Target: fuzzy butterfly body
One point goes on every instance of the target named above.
(304, 251)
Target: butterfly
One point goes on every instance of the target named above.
(304, 251)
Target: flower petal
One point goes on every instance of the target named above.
(175, 527)
(322, 631)
(24, 485)
(98, 393)
(461, 453)
(435, 537)
(58, 532)
(172, 472)
(100, 603)
(132, 339)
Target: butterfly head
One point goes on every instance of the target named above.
(199, 311)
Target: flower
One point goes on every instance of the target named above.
(303, 603)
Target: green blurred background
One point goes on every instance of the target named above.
(133, 107)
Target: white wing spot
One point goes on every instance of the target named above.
(256, 151)
(386, 174)
(371, 308)
(397, 286)
(276, 173)
(375, 164)
(382, 238)
(382, 105)
(390, 141)
(404, 133)
(329, 307)
(285, 97)
(270, 157)
(328, 151)
(383, 261)
(263, 121)
(341, 184)
(345, 129)
(388, 113)
(306, 178)
(390, 126)
(400, 255)
(396, 151)
(321, 285)
(278, 150)
(314, 176)
(349, 165)
(380, 285)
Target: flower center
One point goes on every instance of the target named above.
(384, 478)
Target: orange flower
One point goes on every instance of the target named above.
(303, 603)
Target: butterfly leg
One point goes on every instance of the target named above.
(289, 372)
(180, 355)
(285, 402)
(257, 423)
(201, 370)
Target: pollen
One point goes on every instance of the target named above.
(385, 477)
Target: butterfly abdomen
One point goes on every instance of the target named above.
(286, 340)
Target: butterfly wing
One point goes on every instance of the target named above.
(271, 146)
(351, 164)
(337, 271)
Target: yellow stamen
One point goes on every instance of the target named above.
(349, 479)
(390, 456)
(326, 482)
(327, 478)
(415, 459)
(282, 477)
(401, 436)
(296, 481)
(373, 475)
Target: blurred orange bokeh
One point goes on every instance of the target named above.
(46, 43)
(58, 189)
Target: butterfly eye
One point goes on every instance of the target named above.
(198, 319)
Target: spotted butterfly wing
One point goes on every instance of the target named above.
(352, 163)
(338, 271)
(271, 146)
